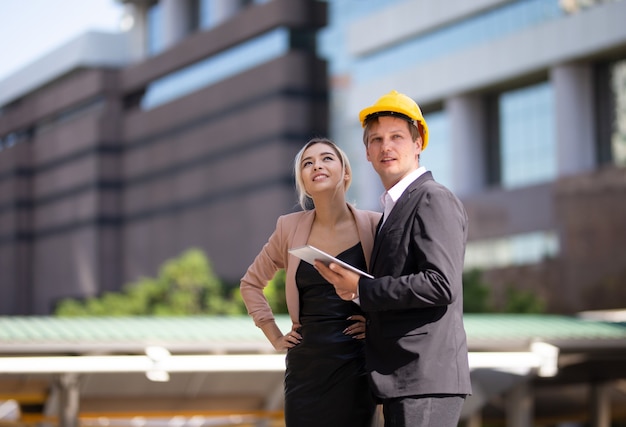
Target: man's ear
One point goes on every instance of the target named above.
(419, 143)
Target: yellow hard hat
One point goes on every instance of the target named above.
(398, 105)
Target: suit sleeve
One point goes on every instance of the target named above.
(425, 263)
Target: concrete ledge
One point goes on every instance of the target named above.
(91, 49)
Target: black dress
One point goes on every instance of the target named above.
(325, 380)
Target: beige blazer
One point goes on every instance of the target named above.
(292, 230)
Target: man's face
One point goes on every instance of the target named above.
(391, 150)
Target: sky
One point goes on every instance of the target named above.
(32, 28)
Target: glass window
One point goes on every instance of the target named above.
(195, 18)
(155, 29)
(487, 26)
(332, 40)
(438, 156)
(527, 136)
(521, 249)
(10, 140)
(212, 12)
(618, 134)
(211, 70)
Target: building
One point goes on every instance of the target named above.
(525, 102)
(119, 151)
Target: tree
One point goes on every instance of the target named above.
(186, 285)
(274, 292)
(520, 301)
(475, 293)
(476, 297)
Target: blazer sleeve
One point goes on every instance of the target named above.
(261, 271)
(423, 262)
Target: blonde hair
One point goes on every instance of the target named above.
(304, 199)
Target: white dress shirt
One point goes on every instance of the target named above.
(391, 196)
(389, 199)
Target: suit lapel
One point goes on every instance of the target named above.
(398, 214)
(377, 240)
(303, 229)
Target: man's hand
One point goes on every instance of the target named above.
(346, 282)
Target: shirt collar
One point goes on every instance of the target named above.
(396, 191)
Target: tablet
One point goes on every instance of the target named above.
(310, 253)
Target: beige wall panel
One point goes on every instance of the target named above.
(52, 181)
(230, 233)
(64, 265)
(63, 140)
(293, 71)
(66, 211)
(64, 94)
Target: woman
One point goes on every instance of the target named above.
(325, 378)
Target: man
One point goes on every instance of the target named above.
(416, 348)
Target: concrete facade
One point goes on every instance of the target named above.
(568, 52)
(96, 192)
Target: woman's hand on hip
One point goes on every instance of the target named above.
(357, 329)
(289, 340)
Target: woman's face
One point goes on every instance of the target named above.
(321, 169)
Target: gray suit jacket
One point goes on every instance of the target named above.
(416, 342)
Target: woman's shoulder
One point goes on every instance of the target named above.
(294, 216)
(372, 215)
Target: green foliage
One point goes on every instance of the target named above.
(186, 285)
(520, 301)
(475, 293)
(476, 297)
(275, 293)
